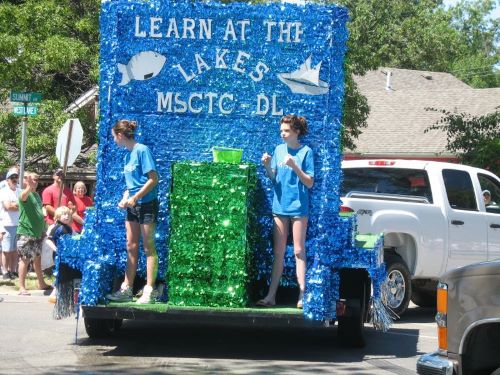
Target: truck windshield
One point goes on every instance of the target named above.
(410, 182)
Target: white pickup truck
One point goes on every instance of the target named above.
(433, 215)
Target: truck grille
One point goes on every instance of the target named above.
(425, 370)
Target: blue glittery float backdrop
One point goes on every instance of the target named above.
(200, 74)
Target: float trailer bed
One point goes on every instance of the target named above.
(262, 317)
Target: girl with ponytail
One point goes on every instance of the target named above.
(291, 169)
(141, 202)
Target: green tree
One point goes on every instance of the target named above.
(423, 35)
(400, 33)
(356, 112)
(474, 139)
(47, 46)
(480, 43)
(476, 71)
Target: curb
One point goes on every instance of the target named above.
(11, 288)
(13, 291)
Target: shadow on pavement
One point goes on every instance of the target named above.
(160, 339)
(418, 314)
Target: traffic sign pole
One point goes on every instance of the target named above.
(23, 148)
(65, 164)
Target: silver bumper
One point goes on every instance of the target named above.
(434, 364)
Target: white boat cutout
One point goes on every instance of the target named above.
(305, 80)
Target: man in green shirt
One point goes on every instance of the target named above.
(30, 232)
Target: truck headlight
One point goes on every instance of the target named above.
(441, 316)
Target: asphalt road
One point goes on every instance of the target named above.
(31, 342)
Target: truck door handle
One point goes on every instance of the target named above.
(495, 226)
(457, 222)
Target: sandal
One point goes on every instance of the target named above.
(265, 303)
(24, 293)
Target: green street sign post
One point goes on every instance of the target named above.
(25, 97)
(25, 111)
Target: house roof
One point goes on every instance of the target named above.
(398, 115)
(84, 99)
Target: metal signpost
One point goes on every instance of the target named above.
(25, 110)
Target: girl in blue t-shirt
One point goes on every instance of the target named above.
(291, 169)
(141, 202)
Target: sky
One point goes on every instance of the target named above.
(495, 13)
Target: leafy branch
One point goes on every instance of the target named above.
(474, 139)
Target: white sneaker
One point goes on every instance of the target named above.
(124, 294)
(148, 296)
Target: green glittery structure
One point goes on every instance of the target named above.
(165, 307)
(210, 240)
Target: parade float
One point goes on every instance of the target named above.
(198, 77)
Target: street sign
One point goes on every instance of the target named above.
(75, 138)
(25, 110)
(29, 97)
(21, 110)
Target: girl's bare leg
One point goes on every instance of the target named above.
(299, 229)
(148, 238)
(280, 234)
(133, 233)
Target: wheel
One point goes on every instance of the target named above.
(100, 328)
(423, 298)
(118, 324)
(397, 290)
(351, 328)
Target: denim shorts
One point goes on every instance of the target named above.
(144, 213)
(290, 216)
(9, 241)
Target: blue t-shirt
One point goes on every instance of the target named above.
(137, 165)
(58, 230)
(291, 196)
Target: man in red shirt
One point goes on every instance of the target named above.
(50, 197)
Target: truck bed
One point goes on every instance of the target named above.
(282, 316)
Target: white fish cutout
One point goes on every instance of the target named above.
(305, 80)
(141, 67)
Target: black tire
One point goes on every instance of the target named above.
(118, 324)
(423, 298)
(397, 291)
(101, 328)
(351, 328)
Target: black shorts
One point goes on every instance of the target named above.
(144, 213)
